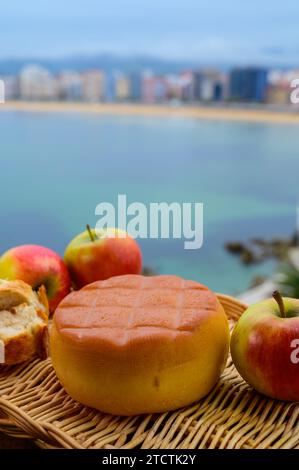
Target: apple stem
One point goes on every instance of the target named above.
(278, 297)
(91, 235)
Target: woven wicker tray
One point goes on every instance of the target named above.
(34, 405)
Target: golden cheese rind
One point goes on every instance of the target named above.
(135, 344)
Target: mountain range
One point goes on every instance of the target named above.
(105, 62)
(109, 62)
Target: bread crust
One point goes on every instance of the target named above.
(25, 339)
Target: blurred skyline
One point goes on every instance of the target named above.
(208, 32)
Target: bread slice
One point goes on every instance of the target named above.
(23, 322)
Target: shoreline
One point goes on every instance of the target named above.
(128, 109)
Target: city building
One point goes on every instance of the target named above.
(248, 84)
(11, 87)
(135, 81)
(122, 87)
(155, 89)
(278, 90)
(148, 88)
(69, 86)
(242, 84)
(280, 86)
(187, 85)
(93, 85)
(110, 86)
(161, 89)
(174, 86)
(36, 83)
(208, 85)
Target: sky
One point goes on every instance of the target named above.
(257, 31)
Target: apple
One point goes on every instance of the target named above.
(37, 266)
(95, 255)
(265, 347)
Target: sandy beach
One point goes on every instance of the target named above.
(194, 112)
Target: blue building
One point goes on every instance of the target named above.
(248, 84)
(110, 86)
(136, 80)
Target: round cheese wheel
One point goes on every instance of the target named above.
(134, 344)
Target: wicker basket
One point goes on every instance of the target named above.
(34, 405)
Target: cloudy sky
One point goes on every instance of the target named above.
(221, 30)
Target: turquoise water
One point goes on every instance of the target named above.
(55, 169)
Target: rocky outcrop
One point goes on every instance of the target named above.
(258, 250)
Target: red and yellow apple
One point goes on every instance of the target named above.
(265, 347)
(37, 266)
(95, 255)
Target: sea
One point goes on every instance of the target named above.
(56, 168)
